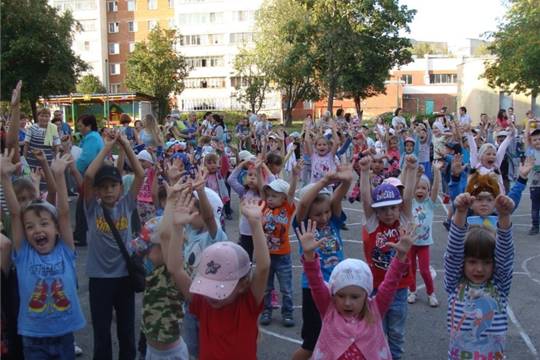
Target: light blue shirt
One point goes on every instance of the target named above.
(91, 145)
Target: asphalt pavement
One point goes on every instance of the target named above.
(426, 335)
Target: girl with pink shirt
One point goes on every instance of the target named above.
(351, 319)
(145, 203)
(323, 154)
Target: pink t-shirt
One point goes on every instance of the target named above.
(145, 194)
(320, 165)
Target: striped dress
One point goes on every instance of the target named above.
(477, 316)
(35, 137)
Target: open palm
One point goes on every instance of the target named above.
(307, 236)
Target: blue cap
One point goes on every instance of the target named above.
(385, 195)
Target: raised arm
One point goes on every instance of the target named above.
(13, 131)
(58, 167)
(7, 169)
(504, 145)
(410, 185)
(473, 160)
(297, 169)
(233, 179)
(310, 195)
(93, 168)
(345, 175)
(504, 246)
(49, 178)
(138, 170)
(365, 187)
(205, 209)
(437, 166)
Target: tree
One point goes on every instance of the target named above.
(285, 42)
(156, 68)
(253, 82)
(422, 48)
(36, 48)
(516, 45)
(90, 84)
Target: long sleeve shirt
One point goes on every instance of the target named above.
(476, 316)
(91, 145)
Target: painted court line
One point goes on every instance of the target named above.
(522, 332)
(279, 336)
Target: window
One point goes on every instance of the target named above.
(131, 47)
(200, 18)
(113, 27)
(307, 105)
(114, 69)
(114, 48)
(87, 45)
(210, 82)
(210, 61)
(216, 18)
(237, 81)
(152, 24)
(171, 4)
(215, 39)
(244, 15)
(112, 6)
(406, 78)
(132, 5)
(114, 88)
(187, 40)
(442, 78)
(241, 38)
(152, 4)
(132, 26)
(87, 25)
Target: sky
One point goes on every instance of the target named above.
(453, 20)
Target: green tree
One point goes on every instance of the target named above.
(36, 48)
(422, 48)
(285, 42)
(516, 45)
(253, 83)
(90, 84)
(156, 68)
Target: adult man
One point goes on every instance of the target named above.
(464, 118)
(63, 128)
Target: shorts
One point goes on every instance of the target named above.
(311, 321)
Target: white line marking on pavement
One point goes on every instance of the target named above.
(527, 272)
(522, 332)
(279, 336)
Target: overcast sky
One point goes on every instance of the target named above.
(443, 20)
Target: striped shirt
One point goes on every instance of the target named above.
(35, 137)
(476, 316)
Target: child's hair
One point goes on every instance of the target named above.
(425, 179)
(24, 183)
(484, 148)
(480, 243)
(125, 119)
(43, 110)
(211, 157)
(322, 137)
(274, 159)
(40, 206)
(321, 197)
(204, 140)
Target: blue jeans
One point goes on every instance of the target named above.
(394, 323)
(190, 331)
(45, 348)
(535, 206)
(281, 266)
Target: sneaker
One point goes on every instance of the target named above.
(266, 318)
(534, 231)
(411, 299)
(432, 299)
(78, 350)
(61, 302)
(287, 321)
(446, 225)
(275, 300)
(38, 300)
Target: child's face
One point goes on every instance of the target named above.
(392, 143)
(388, 214)
(535, 142)
(40, 230)
(422, 190)
(274, 199)
(251, 178)
(109, 192)
(274, 168)
(273, 144)
(377, 165)
(484, 204)
(322, 147)
(321, 212)
(43, 118)
(489, 157)
(422, 135)
(211, 166)
(478, 271)
(409, 147)
(240, 288)
(436, 132)
(350, 301)
(25, 196)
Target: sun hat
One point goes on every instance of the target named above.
(215, 201)
(146, 156)
(246, 155)
(385, 195)
(107, 172)
(222, 265)
(502, 133)
(351, 272)
(279, 185)
(534, 132)
(295, 134)
(393, 181)
(409, 139)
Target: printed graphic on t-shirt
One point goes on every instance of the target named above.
(275, 226)
(422, 229)
(48, 297)
(329, 246)
(382, 255)
(101, 224)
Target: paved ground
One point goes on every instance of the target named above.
(426, 335)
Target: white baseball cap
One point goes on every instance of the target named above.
(146, 156)
(279, 185)
(246, 155)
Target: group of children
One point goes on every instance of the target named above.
(206, 293)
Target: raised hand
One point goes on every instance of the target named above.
(7, 167)
(173, 192)
(406, 239)
(16, 95)
(60, 164)
(438, 164)
(411, 162)
(526, 167)
(504, 205)
(183, 209)
(297, 169)
(364, 163)
(251, 209)
(457, 166)
(307, 238)
(344, 172)
(39, 155)
(36, 175)
(110, 138)
(463, 202)
(200, 180)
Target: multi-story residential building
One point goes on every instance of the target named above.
(90, 41)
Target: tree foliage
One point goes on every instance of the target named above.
(516, 45)
(253, 82)
(36, 48)
(156, 68)
(90, 84)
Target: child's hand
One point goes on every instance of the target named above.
(463, 202)
(200, 180)
(36, 175)
(457, 166)
(110, 138)
(307, 238)
(411, 161)
(183, 214)
(344, 172)
(7, 168)
(60, 164)
(174, 191)
(504, 205)
(526, 167)
(39, 155)
(16, 95)
(364, 163)
(438, 164)
(297, 169)
(123, 140)
(406, 236)
(252, 210)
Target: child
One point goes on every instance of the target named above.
(215, 179)
(318, 205)
(145, 204)
(423, 133)
(533, 142)
(225, 295)
(385, 211)
(349, 313)
(478, 273)
(277, 214)
(49, 310)
(422, 212)
(323, 155)
(109, 285)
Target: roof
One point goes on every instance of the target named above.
(118, 97)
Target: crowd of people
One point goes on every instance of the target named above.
(153, 205)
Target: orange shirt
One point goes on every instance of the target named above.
(276, 227)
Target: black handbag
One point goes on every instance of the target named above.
(135, 265)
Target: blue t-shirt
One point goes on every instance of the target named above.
(331, 253)
(48, 290)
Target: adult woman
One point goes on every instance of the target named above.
(127, 130)
(150, 135)
(218, 130)
(41, 136)
(398, 119)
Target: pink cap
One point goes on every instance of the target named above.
(393, 181)
(222, 265)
